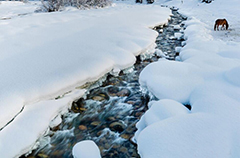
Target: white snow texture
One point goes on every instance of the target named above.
(86, 149)
(47, 55)
(207, 78)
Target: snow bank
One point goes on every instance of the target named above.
(86, 149)
(63, 50)
(45, 55)
(160, 110)
(190, 135)
(207, 78)
(14, 9)
(21, 135)
(166, 72)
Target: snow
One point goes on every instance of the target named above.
(14, 9)
(192, 135)
(33, 122)
(167, 72)
(233, 76)
(159, 53)
(207, 78)
(178, 35)
(47, 55)
(160, 110)
(86, 149)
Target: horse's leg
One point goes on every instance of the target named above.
(223, 26)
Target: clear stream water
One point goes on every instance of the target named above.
(109, 113)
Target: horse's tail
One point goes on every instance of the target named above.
(226, 24)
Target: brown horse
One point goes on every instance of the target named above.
(222, 22)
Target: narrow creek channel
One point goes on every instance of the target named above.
(108, 114)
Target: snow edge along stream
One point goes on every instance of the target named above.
(33, 121)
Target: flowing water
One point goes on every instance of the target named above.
(108, 114)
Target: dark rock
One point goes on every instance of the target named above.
(107, 146)
(116, 146)
(78, 106)
(95, 123)
(100, 97)
(112, 91)
(110, 118)
(189, 107)
(123, 93)
(123, 149)
(55, 128)
(82, 109)
(99, 133)
(40, 155)
(131, 129)
(125, 136)
(114, 81)
(79, 136)
(117, 126)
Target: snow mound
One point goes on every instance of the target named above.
(158, 111)
(190, 135)
(86, 149)
(166, 72)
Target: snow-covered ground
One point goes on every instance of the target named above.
(14, 9)
(46, 55)
(207, 77)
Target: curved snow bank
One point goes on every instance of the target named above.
(208, 79)
(160, 110)
(53, 53)
(21, 135)
(166, 72)
(190, 135)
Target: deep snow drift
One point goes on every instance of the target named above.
(207, 78)
(45, 55)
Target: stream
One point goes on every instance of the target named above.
(108, 114)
